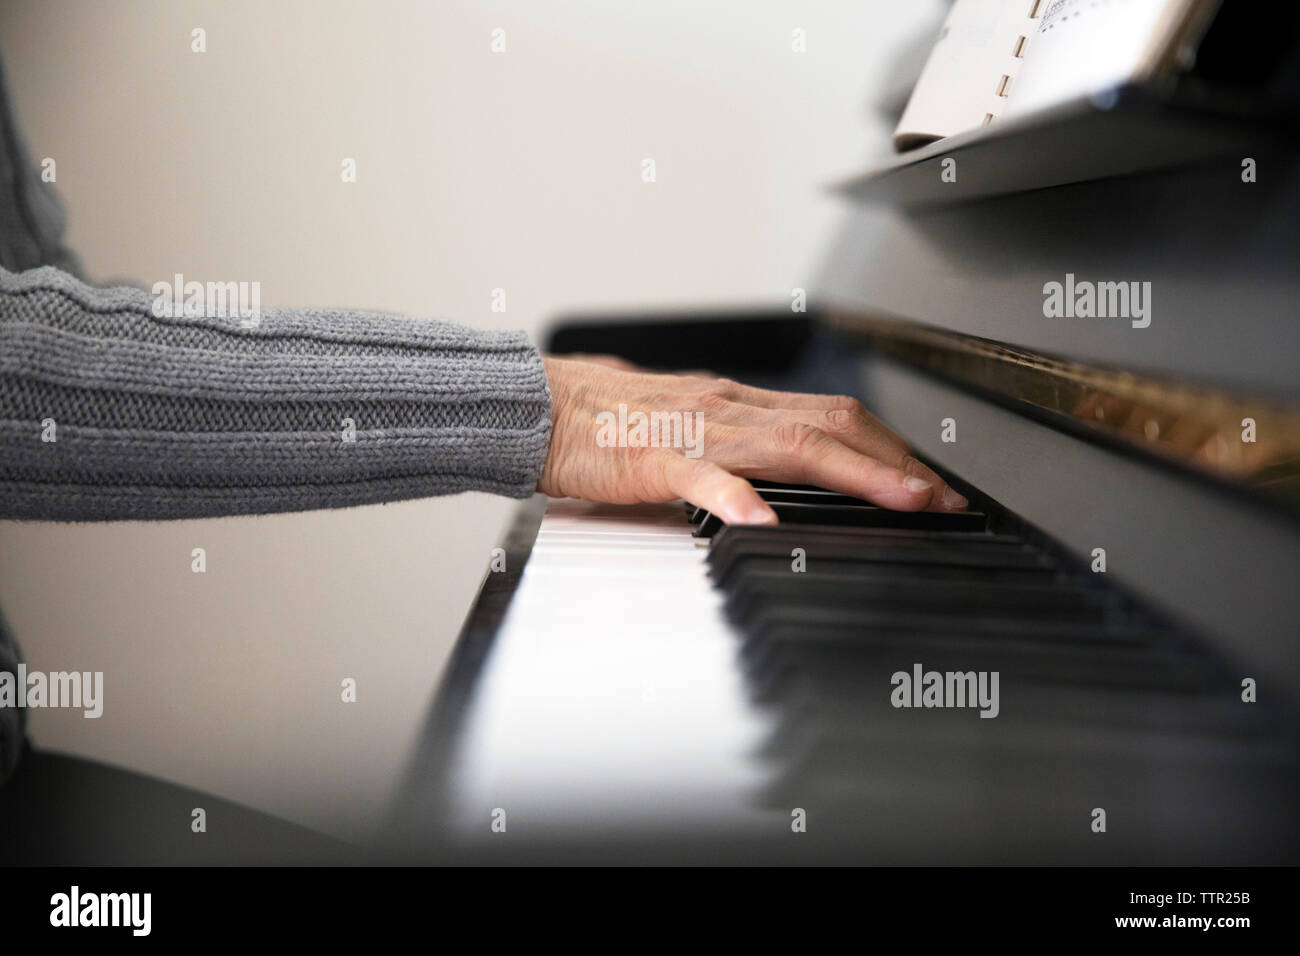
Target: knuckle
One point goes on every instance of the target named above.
(797, 440)
(911, 465)
(714, 400)
(839, 420)
(726, 386)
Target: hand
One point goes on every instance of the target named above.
(825, 440)
(623, 365)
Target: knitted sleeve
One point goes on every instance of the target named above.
(111, 411)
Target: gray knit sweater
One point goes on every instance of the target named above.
(108, 411)
(183, 418)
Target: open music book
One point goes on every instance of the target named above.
(997, 58)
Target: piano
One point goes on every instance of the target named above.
(1112, 628)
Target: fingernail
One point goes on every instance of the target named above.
(953, 501)
(912, 483)
(760, 514)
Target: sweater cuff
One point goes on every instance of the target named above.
(523, 456)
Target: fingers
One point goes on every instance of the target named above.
(802, 454)
(824, 440)
(766, 398)
(945, 497)
(847, 423)
(840, 416)
(709, 486)
(859, 431)
(856, 431)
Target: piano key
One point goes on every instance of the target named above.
(701, 684)
(738, 543)
(862, 516)
(763, 484)
(759, 591)
(760, 537)
(808, 496)
(1049, 706)
(848, 670)
(837, 626)
(935, 563)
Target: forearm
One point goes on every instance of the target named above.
(191, 417)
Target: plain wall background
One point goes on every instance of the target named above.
(475, 171)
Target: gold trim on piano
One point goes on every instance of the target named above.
(1193, 425)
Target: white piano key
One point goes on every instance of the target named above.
(611, 691)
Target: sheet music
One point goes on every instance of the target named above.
(1083, 47)
(997, 58)
(959, 86)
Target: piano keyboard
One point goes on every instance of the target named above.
(663, 683)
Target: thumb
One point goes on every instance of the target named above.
(708, 486)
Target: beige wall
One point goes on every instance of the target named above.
(475, 171)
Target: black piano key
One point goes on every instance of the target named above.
(759, 591)
(933, 568)
(745, 536)
(915, 554)
(763, 484)
(858, 670)
(861, 516)
(1064, 708)
(737, 542)
(880, 590)
(899, 776)
(807, 496)
(1209, 709)
(708, 525)
(847, 626)
(870, 516)
(757, 536)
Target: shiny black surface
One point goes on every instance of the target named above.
(1103, 704)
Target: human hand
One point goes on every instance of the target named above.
(724, 433)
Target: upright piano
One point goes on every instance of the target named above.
(643, 684)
